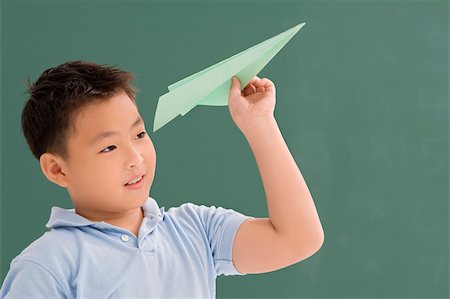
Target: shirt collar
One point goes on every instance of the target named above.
(60, 217)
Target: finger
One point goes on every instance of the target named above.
(268, 85)
(254, 80)
(249, 89)
(260, 86)
(235, 87)
(263, 82)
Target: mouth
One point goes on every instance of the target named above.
(136, 185)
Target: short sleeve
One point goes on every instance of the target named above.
(221, 225)
(29, 279)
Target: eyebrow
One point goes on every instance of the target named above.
(107, 134)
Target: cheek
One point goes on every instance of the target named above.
(98, 169)
(150, 155)
(149, 148)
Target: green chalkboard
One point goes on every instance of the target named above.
(362, 103)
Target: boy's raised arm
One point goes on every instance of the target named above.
(293, 230)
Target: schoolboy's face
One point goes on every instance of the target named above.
(100, 166)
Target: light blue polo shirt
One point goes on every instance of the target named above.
(177, 254)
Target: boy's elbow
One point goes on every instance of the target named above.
(314, 242)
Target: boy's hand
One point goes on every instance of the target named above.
(256, 101)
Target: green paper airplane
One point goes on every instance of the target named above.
(211, 86)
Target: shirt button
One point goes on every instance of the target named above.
(125, 238)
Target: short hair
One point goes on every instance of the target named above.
(60, 94)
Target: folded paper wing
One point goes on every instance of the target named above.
(211, 86)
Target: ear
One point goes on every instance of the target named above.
(51, 166)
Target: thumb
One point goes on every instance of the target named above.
(235, 88)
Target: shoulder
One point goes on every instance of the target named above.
(209, 219)
(197, 214)
(55, 251)
(192, 210)
(55, 241)
(41, 269)
(44, 266)
(217, 226)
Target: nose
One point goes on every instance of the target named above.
(134, 157)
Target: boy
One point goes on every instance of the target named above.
(82, 123)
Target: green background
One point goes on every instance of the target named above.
(362, 102)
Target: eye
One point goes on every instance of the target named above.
(103, 151)
(143, 134)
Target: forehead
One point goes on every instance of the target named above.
(113, 114)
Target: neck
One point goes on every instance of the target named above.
(130, 220)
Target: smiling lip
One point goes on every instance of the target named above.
(135, 178)
(136, 185)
